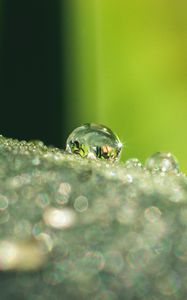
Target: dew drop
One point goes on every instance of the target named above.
(94, 141)
(162, 162)
(133, 163)
(81, 204)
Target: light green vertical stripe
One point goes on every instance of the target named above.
(82, 76)
(99, 70)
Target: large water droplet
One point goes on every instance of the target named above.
(94, 141)
(162, 162)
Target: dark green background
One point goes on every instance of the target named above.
(32, 70)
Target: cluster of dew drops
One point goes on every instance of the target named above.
(140, 246)
(98, 146)
(96, 143)
(99, 142)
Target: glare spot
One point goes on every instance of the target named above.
(59, 218)
(20, 255)
(8, 255)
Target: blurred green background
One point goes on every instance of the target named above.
(131, 71)
(119, 63)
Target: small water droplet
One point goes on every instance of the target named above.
(133, 163)
(81, 204)
(94, 141)
(162, 162)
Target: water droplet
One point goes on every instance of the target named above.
(133, 163)
(162, 162)
(94, 141)
(81, 204)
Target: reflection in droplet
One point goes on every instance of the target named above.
(94, 141)
(59, 218)
(162, 162)
(81, 204)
